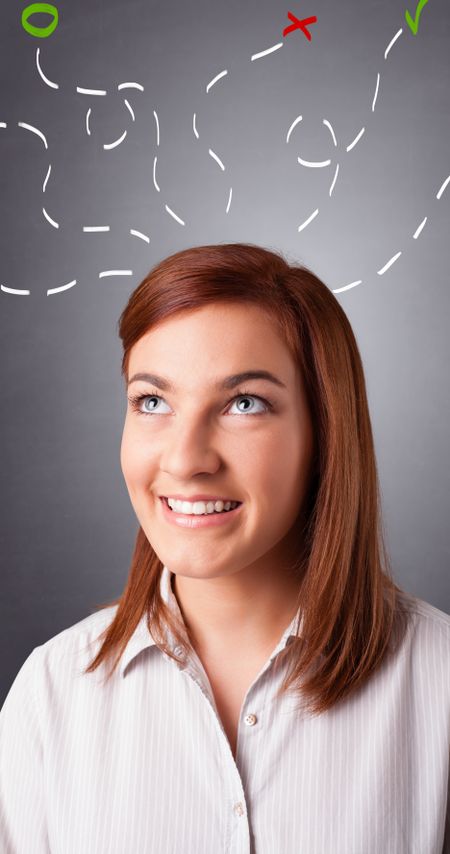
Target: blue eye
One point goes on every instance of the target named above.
(242, 395)
(245, 396)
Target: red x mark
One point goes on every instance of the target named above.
(299, 25)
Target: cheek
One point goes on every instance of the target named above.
(285, 465)
(134, 457)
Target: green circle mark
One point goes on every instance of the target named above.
(40, 32)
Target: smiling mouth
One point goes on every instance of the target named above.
(235, 504)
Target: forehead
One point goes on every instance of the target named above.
(212, 340)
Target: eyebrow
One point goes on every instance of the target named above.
(226, 383)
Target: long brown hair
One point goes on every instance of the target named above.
(352, 613)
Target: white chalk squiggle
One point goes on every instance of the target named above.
(44, 78)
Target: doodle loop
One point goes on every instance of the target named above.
(32, 9)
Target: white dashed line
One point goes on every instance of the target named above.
(347, 287)
(376, 93)
(130, 109)
(46, 178)
(130, 86)
(105, 273)
(229, 199)
(96, 228)
(49, 219)
(194, 127)
(419, 229)
(157, 127)
(307, 221)
(83, 91)
(110, 145)
(442, 188)
(217, 159)
(314, 163)
(389, 264)
(154, 174)
(33, 130)
(327, 124)
(265, 52)
(21, 293)
(391, 43)
(295, 122)
(356, 139)
(88, 129)
(61, 288)
(215, 79)
(334, 179)
(139, 234)
(171, 212)
(45, 79)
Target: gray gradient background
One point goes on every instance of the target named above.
(67, 525)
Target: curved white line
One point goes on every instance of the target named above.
(14, 291)
(45, 79)
(334, 179)
(88, 129)
(356, 139)
(419, 229)
(346, 287)
(295, 122)
(391, 43)
(47, 177)
(90, 91)
(174, 215)
(115, 273)
(314, 163)
(49, 219)
(389, 264)
(61, 288)
(327, 124)
(215, 79)
(229, 199)
(194, 127)
(376, 92)
(96, 228)
(307, 221)
(117, 142)
(217, 159)
(139, 234)
(130, 86)
(130, 108)
(157, 127)
(34, 130)
(154, 174)
(269, 50)
(442, 188)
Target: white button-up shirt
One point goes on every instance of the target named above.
(141, 764)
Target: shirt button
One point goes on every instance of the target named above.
(250, 720)
(178, 650)
(238, 809)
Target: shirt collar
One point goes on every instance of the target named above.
(142, 639)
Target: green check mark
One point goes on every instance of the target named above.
(414, 24)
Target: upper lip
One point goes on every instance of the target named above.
(199, 497)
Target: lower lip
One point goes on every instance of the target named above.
(198, 521)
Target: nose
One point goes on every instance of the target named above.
(189, 449)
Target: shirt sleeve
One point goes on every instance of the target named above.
(23, 828)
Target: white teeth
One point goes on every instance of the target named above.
(197, 508)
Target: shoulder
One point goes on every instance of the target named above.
(70, 650)
(428, 634)
(427, 616)
(79, 641)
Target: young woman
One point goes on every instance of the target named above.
(262, 685)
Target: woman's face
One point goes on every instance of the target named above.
(199, 437)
